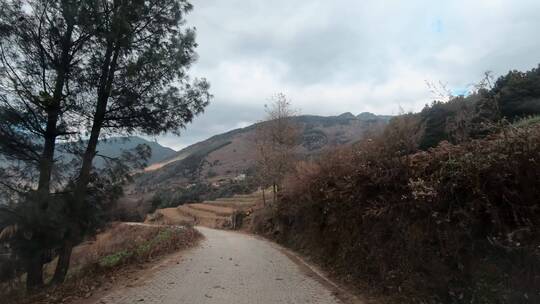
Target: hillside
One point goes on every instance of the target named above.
(440, 207)
(458, 223)
(113, 147)
(509, 99)
(231, 156)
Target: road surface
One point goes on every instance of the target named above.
(231, 268)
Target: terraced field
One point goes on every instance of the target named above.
(223, 213)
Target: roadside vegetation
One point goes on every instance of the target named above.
(439, 207)
(117, 253)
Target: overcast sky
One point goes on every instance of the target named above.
(337, 56)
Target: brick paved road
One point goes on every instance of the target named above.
(227, 268)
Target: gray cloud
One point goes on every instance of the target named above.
(337, 56)
(218, 118)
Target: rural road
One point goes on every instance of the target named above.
(231, 268)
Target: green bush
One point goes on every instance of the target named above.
(114, 259)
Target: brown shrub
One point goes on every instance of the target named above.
(130, 238)
(455, 224)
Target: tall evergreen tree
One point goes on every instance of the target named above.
(518, 94)
(40, 43)
(85, 69)
(143, 51)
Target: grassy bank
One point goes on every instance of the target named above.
(119, 250)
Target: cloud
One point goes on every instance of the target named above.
(349, 56)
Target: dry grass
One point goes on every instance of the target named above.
(121, 237)
(120, 249)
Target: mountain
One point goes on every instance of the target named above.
(367, 116)
(347, 115)
(232, 154)
(114, 146)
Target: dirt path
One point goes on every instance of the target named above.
(230, 267)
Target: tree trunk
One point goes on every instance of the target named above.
(63, 263)
(274, 190)
(53, 112)
(264, 197)
(34, 273)
(34, 277)
(107, 77)
(106, 81)
(47, 157)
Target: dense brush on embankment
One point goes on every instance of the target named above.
(455, 224)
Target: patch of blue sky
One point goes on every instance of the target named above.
(437, 26)
(460, 91)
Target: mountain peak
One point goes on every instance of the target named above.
(366, 116)
(346, 115)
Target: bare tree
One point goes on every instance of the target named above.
(439, 91)
(276, 139)
(485, 84)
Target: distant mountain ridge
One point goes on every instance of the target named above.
(227, 155)
(114, 146)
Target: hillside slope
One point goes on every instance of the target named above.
(232, 155)
(454, 224)
(113, 147)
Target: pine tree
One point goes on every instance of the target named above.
(74, 70)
